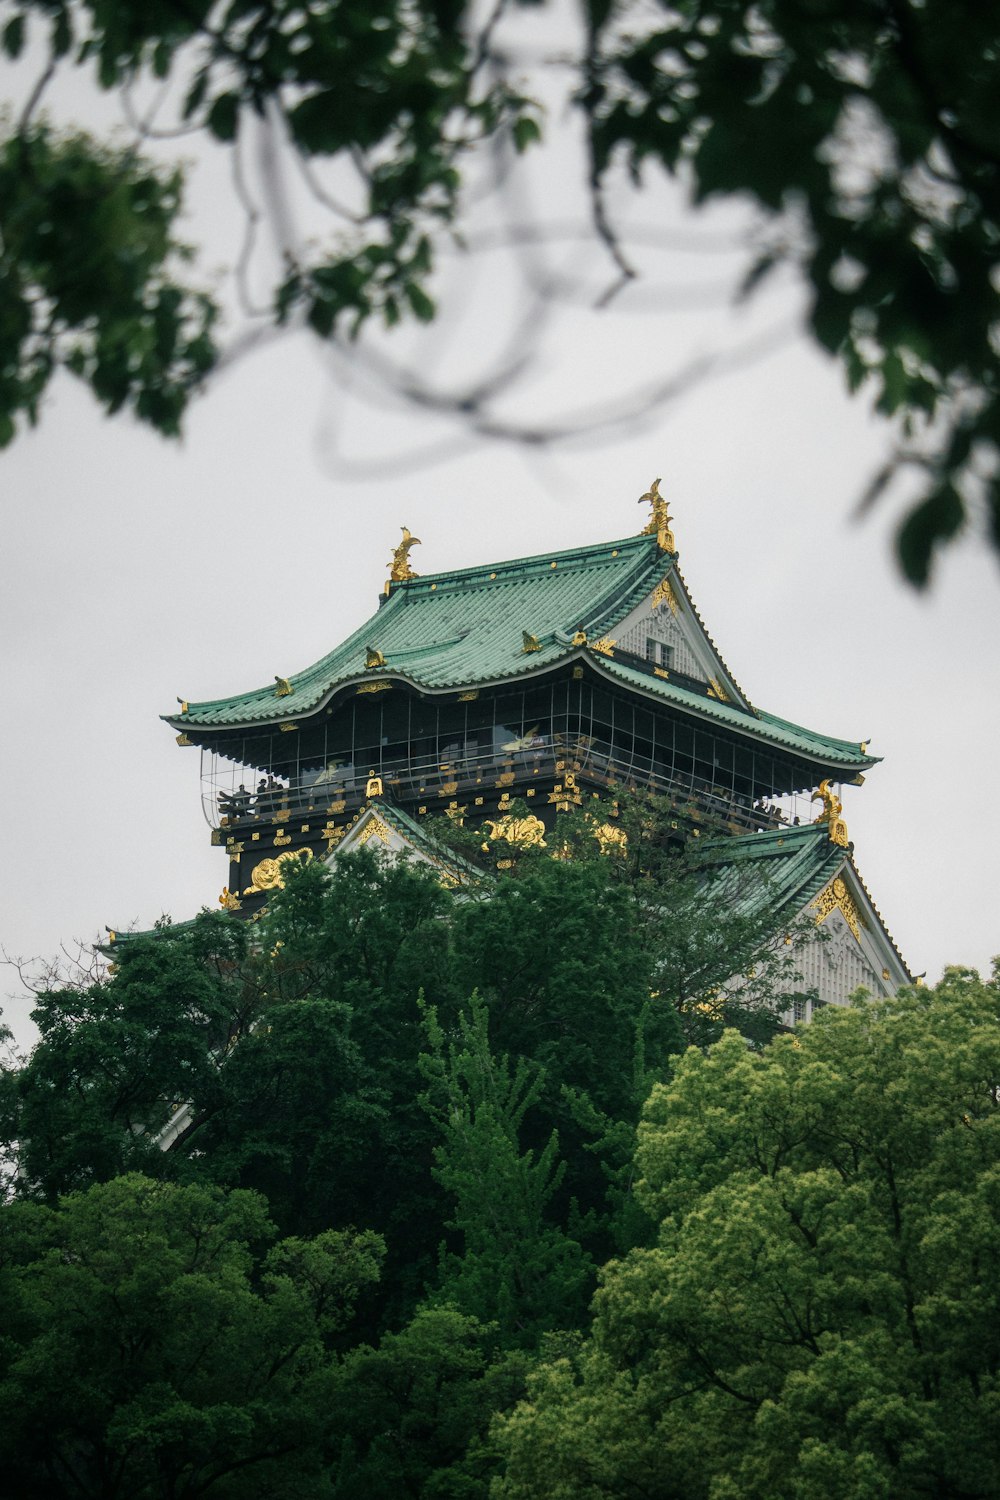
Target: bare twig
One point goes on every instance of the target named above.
(320, 193)
(595, 422)
(144, 127)
(34, 98)
(253, 215)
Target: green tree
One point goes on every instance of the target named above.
(116, 1053)
(819, 1315)
(298, 1116)
(294, 1045)
(514, 1266)
(158, 1343)
(558, 955)
(412, 1416)
(864, 130)
(322, 1110)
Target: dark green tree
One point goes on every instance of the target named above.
(294, 1045)
(412, 1416)
(298, 1115)
(158, 1342)
(819, 1313)
(117, 1053)
(864, 130)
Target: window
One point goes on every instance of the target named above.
(658, 652)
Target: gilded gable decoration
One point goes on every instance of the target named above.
(831, 814)
(399, 567)
(836, 897)
(375, 828)
(658, 524)
(664, 594)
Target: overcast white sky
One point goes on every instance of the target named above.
(136, 571)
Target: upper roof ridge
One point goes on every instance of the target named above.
(490, 572)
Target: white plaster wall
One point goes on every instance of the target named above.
(660, 625)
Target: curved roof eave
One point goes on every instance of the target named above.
(754, 726)
(368, 679)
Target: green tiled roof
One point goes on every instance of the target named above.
(448, 631)
(794, 863)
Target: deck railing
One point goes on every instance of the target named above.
(466, 771)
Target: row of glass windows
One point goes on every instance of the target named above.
(387, 732)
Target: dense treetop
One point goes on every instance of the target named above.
(819, 1312)
(484, 1193)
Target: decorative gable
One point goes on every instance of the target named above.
(667, 630)
(852, 949)
(390, 831)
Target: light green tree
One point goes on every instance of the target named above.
(820, 1314)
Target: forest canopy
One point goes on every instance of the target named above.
(512, 1192)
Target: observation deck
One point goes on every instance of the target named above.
(474, 781)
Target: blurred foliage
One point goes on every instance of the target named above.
(88, 281)
(865, 130)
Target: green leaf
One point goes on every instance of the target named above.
(13, 37)
(318, 123)
(526, 132)
(937, 519)
(162, 55)
(223, 117)
(62, 34)
(421, 305)
(320, 317)
(831, 318)
(195, 95)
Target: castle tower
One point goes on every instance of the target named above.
(552, 679)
